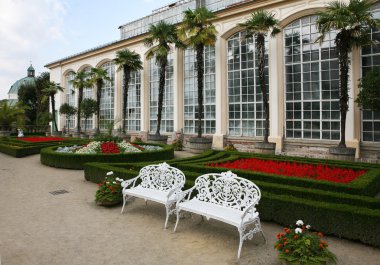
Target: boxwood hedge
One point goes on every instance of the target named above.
(336, 209)
(52, 158)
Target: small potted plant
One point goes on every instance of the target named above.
(110, 191)
(301, 246)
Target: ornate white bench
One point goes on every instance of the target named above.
(227, 198)
(160, 183)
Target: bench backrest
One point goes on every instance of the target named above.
(161, 177)
(227, 189)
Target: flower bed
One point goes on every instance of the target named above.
(98, 147)
(293, 169)
(41, 139)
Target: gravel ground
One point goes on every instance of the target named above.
(39, 228)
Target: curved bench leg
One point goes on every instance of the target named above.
(124, 202)
(176, 223)
(241, 234)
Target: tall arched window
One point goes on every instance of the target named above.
(133, 119)
(246, 117)
(107, 99)
(371, 60)
(88, 92)
(311, 83)
(191, 91)
(70, 98)
(167, 121)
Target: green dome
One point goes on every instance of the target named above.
(23, 81)
(30, 68)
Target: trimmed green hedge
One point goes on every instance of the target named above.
(17, 148)
(52, 158)
(335, 209)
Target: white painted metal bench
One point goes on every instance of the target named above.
(227, 198)
(160, 183)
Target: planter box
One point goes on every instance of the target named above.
(265, 148)
(342, 153)
(157, 139)
(199, 145)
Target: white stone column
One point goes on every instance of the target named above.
(178, 92)
(118, 98)
(221, 107)
(145, 96)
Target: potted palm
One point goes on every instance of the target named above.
(197, 31)
(352, 23)
(164, 35)
(9, 115)
(128, 62)
(50, 91)
(258, 26)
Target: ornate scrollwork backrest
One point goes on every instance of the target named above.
(161, 177)
(227, 189)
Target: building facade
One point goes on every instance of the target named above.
(302, 80)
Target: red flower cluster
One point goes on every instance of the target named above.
(110, 148)
(293, 169)
(41, 139)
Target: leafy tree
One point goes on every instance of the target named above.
(198, 31)
(258, 26)
(28, 98)
(69, 111)
(10, 115)
(88, 108)
(164, 35)
(97, 77)
(80, 81)
(352, 23)
(50, 92)
(42, 81)
(369, 95)
(127, 61)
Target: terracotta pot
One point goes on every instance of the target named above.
(108, 203)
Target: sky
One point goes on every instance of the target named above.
(42, 31)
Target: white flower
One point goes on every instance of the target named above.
(299, 223)
(298, 231)
(308, 227)
(107, 182)
(114, 182)
(110, 173)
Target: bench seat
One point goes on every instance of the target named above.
(149, 194)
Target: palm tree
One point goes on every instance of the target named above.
(80, 82)
(352, 23)
(128, 61)
(98, 76)
(9, 115)
(164, 35)
(259, 25)
(198, 31)
(50, 91)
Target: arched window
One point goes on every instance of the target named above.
(191, 91)
(133, 119)
(167, 121)
(88, 92)
(70, 98)
(107, 99)
(246, 117)
(311, 83)
(371, 60)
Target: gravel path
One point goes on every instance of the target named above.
(39, 228)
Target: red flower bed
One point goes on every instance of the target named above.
(110, 148)
(41, 139)
(293, 169)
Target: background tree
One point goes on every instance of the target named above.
(369, 95)
(43, 116)
(258, 26)
(198, 31)
(127, 61)
(352, 23)
(50, 92)
(69, 111)
(80, 81)
(164, 34)
(28, 98)
(88, 108)
(98, 76)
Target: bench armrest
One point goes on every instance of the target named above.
(175, 191)
(250, 209)
(182, 195)
(128, 182)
